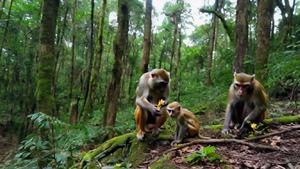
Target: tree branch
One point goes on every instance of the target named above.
(222, 141)
(221, 17)
(297, 127)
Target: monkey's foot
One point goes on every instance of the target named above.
(155, 131)
(140, 135)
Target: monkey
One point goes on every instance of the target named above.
(187, 125)
(153, 87)
(247, 103)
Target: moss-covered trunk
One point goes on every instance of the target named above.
(45, 76)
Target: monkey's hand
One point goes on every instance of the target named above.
(155, 111)
(175, 142)
(225, 131)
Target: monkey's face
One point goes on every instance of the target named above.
(173, 109)
(159, 80)
(243, 84)
(173, 112)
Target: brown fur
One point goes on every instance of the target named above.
(148, 94)
(249, 106)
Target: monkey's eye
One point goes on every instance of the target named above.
(163, 84)
(171, 111)
(236, 85)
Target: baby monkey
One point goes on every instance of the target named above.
(187, 125)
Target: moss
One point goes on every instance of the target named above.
(120, 140)
(137, 153)
(284, 120)
(164, 162)
(281, 120)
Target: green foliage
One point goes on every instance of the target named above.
(284, 78)
(205, 154)
(53, 141)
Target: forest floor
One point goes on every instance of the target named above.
(234, 155)
(238, 156)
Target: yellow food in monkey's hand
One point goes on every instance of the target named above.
(161, 102)
(253, 125)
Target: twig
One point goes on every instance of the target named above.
(220, 141)
(297, 127)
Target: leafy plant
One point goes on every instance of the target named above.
(205, 154)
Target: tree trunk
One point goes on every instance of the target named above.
(46, 58)
(241, 34)
(174, 43)
(73, 50)
(147, 37)
(97, 63)
(263, 29)
(211, 47)
(6, 27)
(120, 44)
(87, 107)
(74, 111)
(287, 11)
(2, 7)
(59, 49)
(177, 70)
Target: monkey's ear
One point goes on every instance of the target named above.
(179, 108)
(253, 77)
(234, 73)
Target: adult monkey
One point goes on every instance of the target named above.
(153, 87)
(247, 103)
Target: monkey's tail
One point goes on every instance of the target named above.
(203, 137)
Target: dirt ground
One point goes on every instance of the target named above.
(238, 156)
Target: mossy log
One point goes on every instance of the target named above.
(276, 120)
(125, 148)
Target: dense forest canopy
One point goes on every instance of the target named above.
(69, 69)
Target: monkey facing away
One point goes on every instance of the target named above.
(153, 87)
(247, 103)
(187, 125)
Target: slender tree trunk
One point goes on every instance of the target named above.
(73, 50)
(46, 58)
(174, 43)
(178, 72)
(241, 34)
(162, 52)
(132, 61)
(2, 7)
(120, 43)
(263, 37)
(74, 111)
(6, 28)
(87, 107)
(211, 47)
(147, 37)
(96, 65)
(287, 11)
(59, 49)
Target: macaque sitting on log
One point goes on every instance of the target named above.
(151, 100)
(247, 103)
(187, 125)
